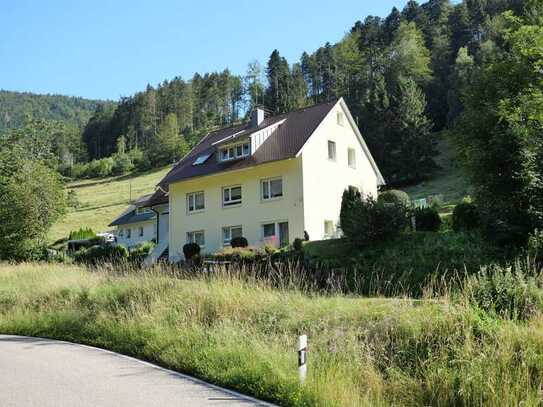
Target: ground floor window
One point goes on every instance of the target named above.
(128, 233)
(141, 231)
(275, 234)
(197, 237)
(230, 232)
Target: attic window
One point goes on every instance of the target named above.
(202, 159)
(340, 118)
(235, 151)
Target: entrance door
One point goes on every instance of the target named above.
(283, 234)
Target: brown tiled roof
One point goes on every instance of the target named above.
(285, 142)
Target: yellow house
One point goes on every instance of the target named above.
(270, 180)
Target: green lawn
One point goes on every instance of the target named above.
(101, 200)
(448, 180)
(242, 334)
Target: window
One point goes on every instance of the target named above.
(328, 228)
(275, 234)
(231, 196)
(202, 159)
(331, 150)
(128, 233)
(141, 211)
(121, 232)
(197, 237)
(268, 230)
(340, 118)
(195, 202)
(230, 232)
(236, 151)
(351, 157)
(272, 188)
(141, 231)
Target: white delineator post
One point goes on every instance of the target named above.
(302, 357)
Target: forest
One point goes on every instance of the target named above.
(403, 77)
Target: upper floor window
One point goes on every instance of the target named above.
(230, 232)
(235, 151)
(331, 150)
(351, 157)
(195, 202)
(231, 195)
(340, 118)
(197, 237)
(272, 188)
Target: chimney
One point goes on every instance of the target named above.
(257, 116)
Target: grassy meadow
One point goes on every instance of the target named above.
(241, 333)
(102, 200)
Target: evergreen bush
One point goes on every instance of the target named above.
(239, 242)
(191, 250)
(465, 217)
(427, 219)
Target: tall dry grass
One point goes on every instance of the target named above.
(237, 328)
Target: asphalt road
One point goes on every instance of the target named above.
(47, 373)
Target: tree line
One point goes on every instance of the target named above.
(401, 77)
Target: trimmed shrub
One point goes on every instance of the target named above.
(191, 250)
(298, 244)
(394, 196)
(427, 219)
(465, 217)
(99, 168)
(367, 221)
(239, 242)
(100, 254)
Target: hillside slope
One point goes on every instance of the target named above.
(14, 106)
(102, 200)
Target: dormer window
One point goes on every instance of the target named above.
(235, 151)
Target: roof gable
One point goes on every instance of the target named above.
(284, 142)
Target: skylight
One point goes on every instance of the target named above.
(202, 159)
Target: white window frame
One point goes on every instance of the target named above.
(332, 143)
(226, 242)
(193, 196)
(235, 151)
(331, 233)
(268, 182)
(275, 224)
(230, 203)
(191, 237)
(340, 117)
(351, 164)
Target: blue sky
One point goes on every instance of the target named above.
(107, 49)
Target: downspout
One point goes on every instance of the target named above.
(157, 225)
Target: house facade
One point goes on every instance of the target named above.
(139, 224)
(271, 180)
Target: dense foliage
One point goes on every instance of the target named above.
(15, 107)
(31, 196)
(402, 76)
(465, 217)
(499, 135)
(427, 219)
(365, 221)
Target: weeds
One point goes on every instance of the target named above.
(237, 327)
